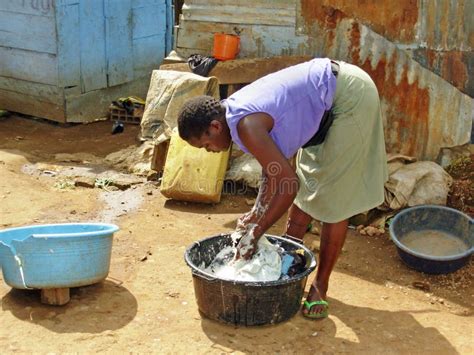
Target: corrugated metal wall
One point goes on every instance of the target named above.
(423, 112)
(438, 34)
(445, 42)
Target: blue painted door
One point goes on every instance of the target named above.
(104, 43)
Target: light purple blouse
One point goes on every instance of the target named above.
(295, 97)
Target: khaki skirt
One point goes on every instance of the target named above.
(345, 175)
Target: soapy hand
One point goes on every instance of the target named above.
(247, 219)
(246, 250)
(247, 245)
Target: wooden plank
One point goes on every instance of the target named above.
(41, 92)
(238, 15)
(274, 4)
(119, 41)
(148, 53)
(67, 2)
(30, 7)
(34, 33)
(149, 21)
(142, 3)
(55, 296)
(93, 105)
(159, 157)
(30, 66)
(256, 41)
(31, 105)
(92, 44)
(241, 71)
(169, 25)
(69, 52)
(200, 35)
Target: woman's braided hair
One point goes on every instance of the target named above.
(196, 115)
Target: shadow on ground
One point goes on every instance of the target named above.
(92, 309)
(364, 330)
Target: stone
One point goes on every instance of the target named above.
(84, 181)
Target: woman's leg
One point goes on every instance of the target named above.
(333, 236)
(297, 222)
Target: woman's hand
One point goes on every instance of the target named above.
(247, 245)
(246, 219)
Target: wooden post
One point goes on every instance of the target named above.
(159, 156)
(55, 296)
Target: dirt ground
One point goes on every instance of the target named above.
(147, 303)
(461, 195)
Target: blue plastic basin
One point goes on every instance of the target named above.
(56, 255)
(438, 218)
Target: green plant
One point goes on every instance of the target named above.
(103, 183)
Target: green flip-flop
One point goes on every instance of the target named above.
(309, 305)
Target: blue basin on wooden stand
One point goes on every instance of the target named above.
(56, 256)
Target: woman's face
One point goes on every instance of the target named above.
(215, 139)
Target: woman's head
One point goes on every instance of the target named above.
(201, 122)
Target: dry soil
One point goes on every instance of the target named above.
(147, 303)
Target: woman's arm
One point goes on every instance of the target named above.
(261, 202)
(281, 181)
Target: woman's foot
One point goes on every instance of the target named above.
(316, 293)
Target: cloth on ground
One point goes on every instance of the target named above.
(167, 93)
(201, 65)
(415, 183)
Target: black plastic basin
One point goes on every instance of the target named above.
(242, 302)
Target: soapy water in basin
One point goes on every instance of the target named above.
(265, 265)
(434, 242)
(270, 262)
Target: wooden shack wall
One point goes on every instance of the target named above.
(65, 60)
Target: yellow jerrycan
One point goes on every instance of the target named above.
(193, 174)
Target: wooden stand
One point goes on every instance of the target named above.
(55, 296)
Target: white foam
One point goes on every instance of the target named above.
(265, 264)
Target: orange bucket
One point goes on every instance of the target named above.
(226, 46)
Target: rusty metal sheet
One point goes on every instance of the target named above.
(395, 20)
(445, 40)
(440, 24)
(423, 112)
(440, 33)
(453, 66)
(445, 25)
